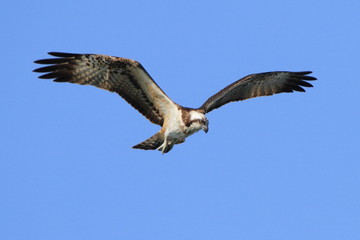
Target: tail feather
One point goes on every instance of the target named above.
(151, 143)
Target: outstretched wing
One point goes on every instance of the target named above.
(123, 76)
(256, 85)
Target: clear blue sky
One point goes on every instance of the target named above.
(279, 167)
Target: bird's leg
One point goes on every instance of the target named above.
(163, 146)
(166, 146)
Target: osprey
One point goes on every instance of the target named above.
(131, 81)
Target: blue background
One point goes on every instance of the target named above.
(279, 167)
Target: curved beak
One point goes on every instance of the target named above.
(205, 127)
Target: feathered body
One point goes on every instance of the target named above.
(131, 81)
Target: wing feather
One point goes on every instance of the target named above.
(256, 85)
(124, 76)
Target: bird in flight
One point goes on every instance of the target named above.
(131, 81)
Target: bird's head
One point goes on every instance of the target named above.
(199, 121)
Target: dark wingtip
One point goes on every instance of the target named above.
(46, 69)
(51, 61)
(308, 78)
(49, 76)
(62, 54)
(298, 88)
(304, 84)
(41, 61)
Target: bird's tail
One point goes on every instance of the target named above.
(151, 143)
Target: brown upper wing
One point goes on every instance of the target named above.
(123, 76)
(256, 85)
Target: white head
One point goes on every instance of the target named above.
(198, 121)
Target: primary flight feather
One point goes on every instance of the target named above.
(131, 81)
